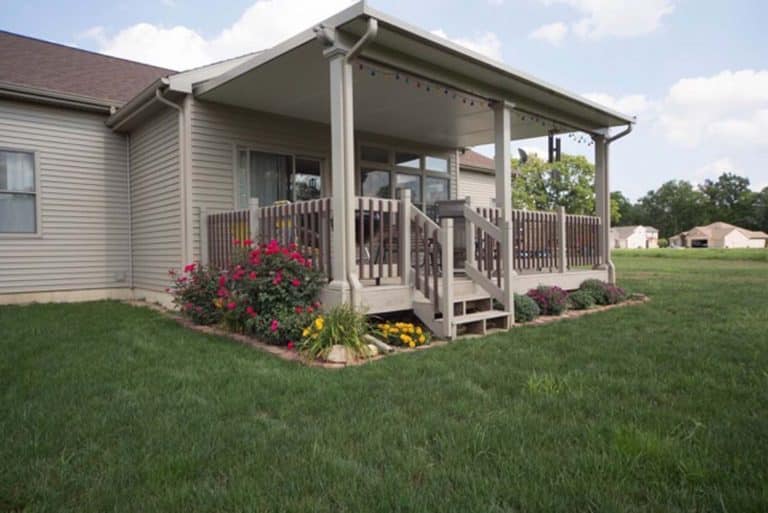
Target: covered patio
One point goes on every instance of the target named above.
(400, 104)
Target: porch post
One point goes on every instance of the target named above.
(339, 283)
(603, 204)
(502, 114)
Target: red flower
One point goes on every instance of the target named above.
(222, 280)
(310, 309)
(189, 268)
(298, 309)
(278, 278)
(289, 345)
(231, 305)
(235, 242)
(250, 311)
(222, 292)
(295, 282)
(275, 324)
(248, 243)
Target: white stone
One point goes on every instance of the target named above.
(337, 354)
(372, 350)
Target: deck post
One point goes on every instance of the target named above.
(603, 205)
(561, 240)
(502, 116)
(204, 251)
(469, 233)
(339, 285)
(446, 303)
(405, 236)
(254, 218)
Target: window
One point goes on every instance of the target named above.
(435, 189)
(372, 154)
(306, 180)
(269, 177)
(18, 198)
(437, 164)
(412, 182)
(411, 160)
(375, 182)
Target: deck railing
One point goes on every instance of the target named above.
(304, 223)
(582, 240)
(377, 238)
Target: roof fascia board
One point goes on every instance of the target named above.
(136, 103)
(345, 16)
(50, 97)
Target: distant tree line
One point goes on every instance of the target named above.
(672, 208)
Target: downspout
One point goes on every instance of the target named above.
(607, 193)
(349, 159)
(130, 212)
(182, 174)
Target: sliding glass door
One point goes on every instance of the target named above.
(273, 177)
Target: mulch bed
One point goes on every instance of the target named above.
(293, 355)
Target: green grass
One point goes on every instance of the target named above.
(659, 407)
(756, 255)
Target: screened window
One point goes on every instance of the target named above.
(375, 182)
(306, 181)
(18, 198)
(435, 189)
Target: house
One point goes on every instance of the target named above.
(342, 139)
(719, 235)
(634, 237)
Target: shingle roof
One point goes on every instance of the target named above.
(720, 229)
(471, 158)
(32, 62)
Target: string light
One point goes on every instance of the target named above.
(474, 100)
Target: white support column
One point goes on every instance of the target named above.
(502, 114)
(469, 236)
(562, 235)
(603, 204)
(446, 301)
(339, 283)
(405, 236)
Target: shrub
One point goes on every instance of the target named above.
(403, 334)
(663, 243)
(342, 325)
(551, 300)
(272, 292)
(526, 309)
(194, 292)
(580, 300)
(603, 293)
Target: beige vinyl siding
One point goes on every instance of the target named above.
(83, 202)
(156, 200)
(481, 187)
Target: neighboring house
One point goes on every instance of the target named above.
(719, 235)
(634, 237)
(112, 172)
(477, 178)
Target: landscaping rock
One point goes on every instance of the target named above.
(337, 354)
(373, 350)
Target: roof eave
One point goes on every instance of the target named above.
(58, 98)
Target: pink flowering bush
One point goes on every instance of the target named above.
(272, 292)
(551, 300)
(194, 292)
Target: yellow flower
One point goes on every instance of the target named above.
(403, 338)
(422, 339)
(418, 330)
(319, 323)
(412, 344)
(218, 302)
(305, 333)
(395, 330)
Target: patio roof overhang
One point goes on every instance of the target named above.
(408, 84)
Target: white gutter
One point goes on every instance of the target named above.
(130, 211)
(57, 98)
(137, 105)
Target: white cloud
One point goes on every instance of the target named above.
(729, 108)
(552, 33)
(262, 25)
(714, 169)
(487, 43)
(632, 104)
(615, 18)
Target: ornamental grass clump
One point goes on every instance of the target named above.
(341, 325)
(551, 300)
(526, 309)
(406, 334)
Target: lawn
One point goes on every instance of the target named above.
(757, 255)
(658, 407)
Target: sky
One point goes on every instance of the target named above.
(694, 72)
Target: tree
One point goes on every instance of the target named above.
(731, 200)
(543, 186)
(674, 207)
(760, 209)
(621, 209)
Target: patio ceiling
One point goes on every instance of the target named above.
(292, 79)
